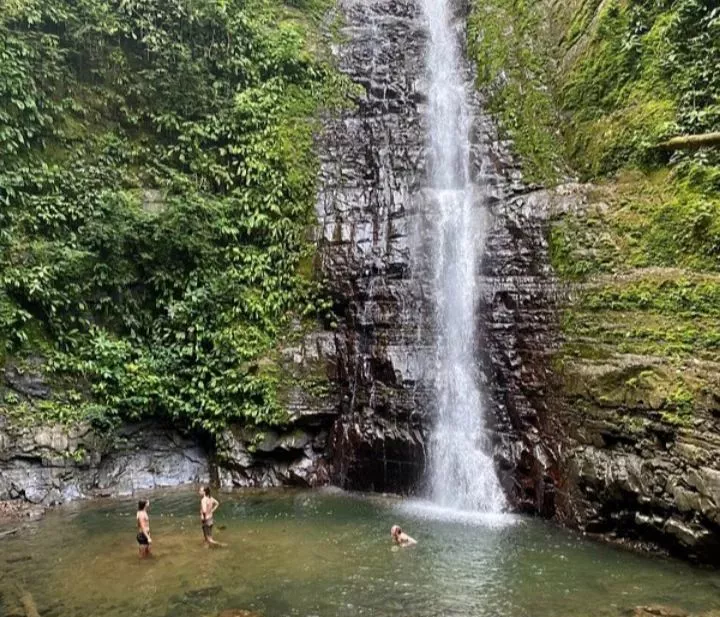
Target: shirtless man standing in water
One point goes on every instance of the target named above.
(143, 526)
(208, 505)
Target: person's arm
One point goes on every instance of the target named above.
(215, 505)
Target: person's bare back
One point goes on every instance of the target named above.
(400, 538)
(208, 505)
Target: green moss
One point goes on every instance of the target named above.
(642, 220)
(675, 297)
(514, 72)
(579, 23)
(594, 86)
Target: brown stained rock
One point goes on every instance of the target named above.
(16, 510)
(659, 610)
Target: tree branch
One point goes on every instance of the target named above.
(691, 142)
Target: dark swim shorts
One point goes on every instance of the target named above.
(142, 539)
(207, 527)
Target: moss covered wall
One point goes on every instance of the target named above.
(588, 90)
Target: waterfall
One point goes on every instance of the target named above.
(462, 474)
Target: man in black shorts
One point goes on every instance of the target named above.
(143, 526)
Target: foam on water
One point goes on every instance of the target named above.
(428, 510)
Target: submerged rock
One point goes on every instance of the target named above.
(658, 610)
(17, 509)
(203, 592)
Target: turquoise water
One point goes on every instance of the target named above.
(323, 554)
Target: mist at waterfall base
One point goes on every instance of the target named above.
(462, 473)
(325, 554)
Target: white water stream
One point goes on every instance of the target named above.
(462, 471)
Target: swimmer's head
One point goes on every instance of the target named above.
(205, 491)
(143, 504)
(395, 531)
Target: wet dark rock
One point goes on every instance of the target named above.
(373, 163)
(265, 458)
(519, 330)
(375, 216)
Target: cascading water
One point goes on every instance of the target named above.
(462, 471)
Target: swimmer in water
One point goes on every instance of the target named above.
(400, 538)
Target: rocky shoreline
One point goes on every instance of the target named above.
(51, 465)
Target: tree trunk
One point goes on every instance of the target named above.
(691, 142)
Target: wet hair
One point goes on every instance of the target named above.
(206, 490)
(141, 504)
(395, 530)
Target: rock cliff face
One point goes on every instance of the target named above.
(295, 454)
(602, 441)
(604, 352)
(54, 465)
(375, 225)
(373, 162)
(639, 446)
(376, 229)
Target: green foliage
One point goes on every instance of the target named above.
(647, 72)
(618, 77)
(514, 72)
(157, 183)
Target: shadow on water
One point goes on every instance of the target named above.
(324, 554)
